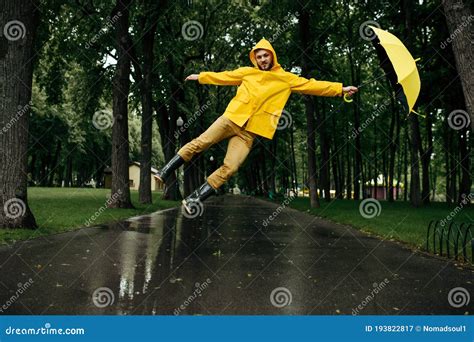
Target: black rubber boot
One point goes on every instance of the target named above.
(193, 203)
(172, 165)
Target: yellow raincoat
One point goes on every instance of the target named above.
(262, 95)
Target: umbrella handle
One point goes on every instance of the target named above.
(346, 98)
(422, 115)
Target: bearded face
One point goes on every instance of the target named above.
(264, 59)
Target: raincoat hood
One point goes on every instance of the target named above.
(264, 44)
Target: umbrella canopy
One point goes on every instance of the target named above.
(399, 66)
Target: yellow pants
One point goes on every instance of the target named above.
(239, 146)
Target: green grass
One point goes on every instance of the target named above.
(63, 209)
(397, 220)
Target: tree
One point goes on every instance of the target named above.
(415, 138)
(143, 75)
(458, 17)
(310, 120)
(121, 86)
(19, 22)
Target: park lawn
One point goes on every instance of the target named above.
(63, 209)
(397, 220)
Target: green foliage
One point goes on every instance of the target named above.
(74, 76)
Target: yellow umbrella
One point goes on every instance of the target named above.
(400, 67)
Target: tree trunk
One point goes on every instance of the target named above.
(458, 17)
(394, 124)
(358, 177)
(375, 163)
(335, 170)
(54, 164)
(349, 172)
(337, 165)
(399, 176)
(415, 195)
(405, 164)
(465, 181)
(120, 197)
(304, 30)
(168, 143)
(273, 150)
(263, 164)
(426, 160)
(453, 171)
(144, 191)
(32, 167)
(44, 169)
(325, 152)
(415, 146)
(258, 178)
(68, 181)
(310, 142)
(294, 183)
(19, 22)
(447, 137)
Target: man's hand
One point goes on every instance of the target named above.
(350, 90)
(192, 77)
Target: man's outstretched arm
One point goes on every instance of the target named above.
(320, 88)
(233, 77)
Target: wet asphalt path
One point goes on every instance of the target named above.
(227, 262)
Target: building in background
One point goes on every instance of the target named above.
(134, 177)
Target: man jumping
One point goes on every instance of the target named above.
(262, 93)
